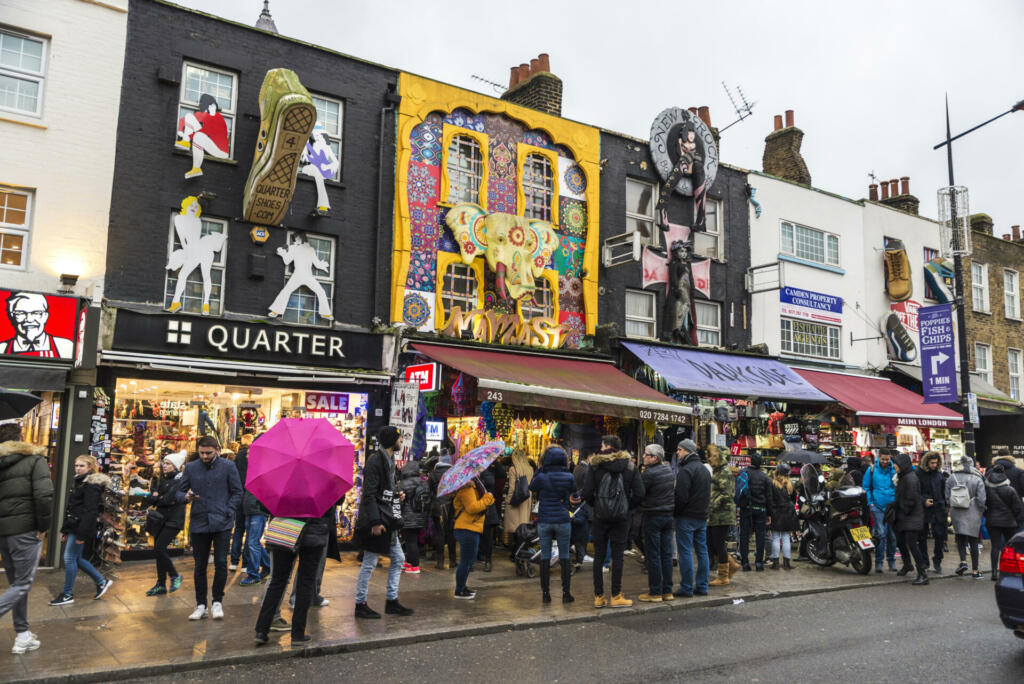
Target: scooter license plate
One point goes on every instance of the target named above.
(861, 533)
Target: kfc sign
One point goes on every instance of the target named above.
(424, 374)
(38, 325)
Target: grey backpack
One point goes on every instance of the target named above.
(959, 495)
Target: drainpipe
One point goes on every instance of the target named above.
(391, 98)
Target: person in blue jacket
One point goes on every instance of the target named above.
(879, 484)
(556, 490)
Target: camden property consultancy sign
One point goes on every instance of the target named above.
(812, 306)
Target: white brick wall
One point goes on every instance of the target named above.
(70, 162)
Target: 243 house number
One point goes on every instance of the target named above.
(495, 396)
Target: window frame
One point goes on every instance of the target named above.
(444, 261)
(227, 114)
(652, 321)
(718, 232)
(220, 264)
(825, 236)
(24, 230)
(26, 75)
(338, 137)
(1019, 375)
(981, 284)
(1013, 315)
(927, 254)
(828, 332)
(550, 277)
(986, 372)
(328, 281)
(655, 239)
(523, 153)
(717, 306)
(448, 133)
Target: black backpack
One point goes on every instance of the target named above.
(611, 503)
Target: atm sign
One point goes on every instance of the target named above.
(426, 374)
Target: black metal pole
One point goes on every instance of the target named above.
(961, 325)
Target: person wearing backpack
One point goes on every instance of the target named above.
(414, 515)
(556, 492)
(879, 483)
(442, 513)
(1002, 511)
(751, 495)
(612, 487)
(692, 506)
(966, 497)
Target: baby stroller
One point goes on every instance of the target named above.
(527, 550)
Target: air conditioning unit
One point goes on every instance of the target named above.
(621, 249)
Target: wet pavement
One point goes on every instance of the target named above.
(127, 633)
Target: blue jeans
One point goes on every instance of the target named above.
(780, 544)
(560, 531)
(469, 542)
(370, 562)
(658, 550)
(256, 556)
(237, 536)
(885, 535)
(73, 560)
(691, 534)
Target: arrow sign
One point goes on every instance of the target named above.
(938, 355)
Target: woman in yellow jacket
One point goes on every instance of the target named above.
(471, 504)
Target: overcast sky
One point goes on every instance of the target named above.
(866, 80)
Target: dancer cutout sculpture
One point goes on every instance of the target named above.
(197, 251)
(302, 257)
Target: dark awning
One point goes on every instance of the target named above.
(33, 378)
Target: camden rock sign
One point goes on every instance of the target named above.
(241, 341)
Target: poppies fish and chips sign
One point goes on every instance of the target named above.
(812, 306)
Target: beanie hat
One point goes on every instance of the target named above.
(755, 460)
(177, 460)
(689, 445)
(781, 469)
(388, 436)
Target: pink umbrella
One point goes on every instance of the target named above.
(300, 467)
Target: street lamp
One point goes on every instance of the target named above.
(955, 218)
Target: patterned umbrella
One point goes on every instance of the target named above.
(300, 467)
(469, 466)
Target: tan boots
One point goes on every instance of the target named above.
(734, 566)
(723, 577)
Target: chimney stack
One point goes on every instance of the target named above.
(1006, 236)
(873, 192)
(533, 85)
(705, 115)
(782, 156)
(885, 191)
(1016, 232)
(981, 223)
(896, 194)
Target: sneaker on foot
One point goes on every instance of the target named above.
(217, 611)
(249, 580)
(62, 600)
(320, 602)
(157, 590)
(393, 607)
(365, 611)
(465, 594)
(233, 565)
(101, 589)
(25, 642)
(976, 575)
(280, 625)
(650, 598)
(175, 584)
(600, 601)
(620, 601)
(261, 638)
(412, 569)
(199, 613)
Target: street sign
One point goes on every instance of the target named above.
(972, 408)
(938, 354)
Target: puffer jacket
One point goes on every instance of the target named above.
(164, 496)
(878, 483)
(1014, 474)
(26, 492)
(471, 509)
(1002, 505)
(84, 504)
(909, 507)
(693, 489)
(760, 487)
(781, 509)
(659, 490)
(415, 488)
(723, 509)
(615, 463)
(553, 484)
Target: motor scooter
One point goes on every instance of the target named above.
(834, 526)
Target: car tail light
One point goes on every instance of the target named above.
(1011, 561)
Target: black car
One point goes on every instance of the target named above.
(1010, 587)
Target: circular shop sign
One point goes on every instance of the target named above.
(668, 127)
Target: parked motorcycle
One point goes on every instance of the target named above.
(835, 529)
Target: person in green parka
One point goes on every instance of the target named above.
(722, 515)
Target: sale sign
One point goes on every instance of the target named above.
(326, 402)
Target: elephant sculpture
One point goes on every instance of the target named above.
(516, 248)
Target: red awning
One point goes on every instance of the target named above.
(571, 385)
(879, 401)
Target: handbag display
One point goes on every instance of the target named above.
(284, 532)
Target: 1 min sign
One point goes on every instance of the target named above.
(938, 354)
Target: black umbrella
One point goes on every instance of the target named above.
(801, 456)
(15, 404)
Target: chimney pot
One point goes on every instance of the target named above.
(1006, 236)
(905, 185)
(789, 118)
(873, 192)
(692, 110)
(778, 122)
(885, 191)
(1016, 232)
(894, 187)
(534, 66)
(705, 115)
(524, 72)
(545, 61)
(513, 77)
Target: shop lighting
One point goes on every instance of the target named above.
(67, 283)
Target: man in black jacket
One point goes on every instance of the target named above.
(754, 513)
(933, 497)
(26, 498)
(692, 505)
(1014, 474)
(375, 533)
(659, 502)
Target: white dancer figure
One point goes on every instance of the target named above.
(320, 163)
(301, 255)
(203, 131)
(197, 251)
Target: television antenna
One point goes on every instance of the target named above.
(742, 111)
(498, 88)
